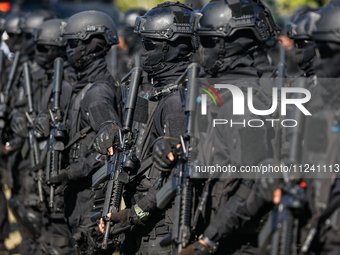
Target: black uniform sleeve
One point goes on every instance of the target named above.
(85, 166)
(169, 118)
(100, 104)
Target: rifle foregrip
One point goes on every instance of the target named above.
(106, 235)
(117, 196)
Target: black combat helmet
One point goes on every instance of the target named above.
(48, 33)
(128, 18)
(49, 43)
(231, 29)
(167, 21)
(297, 29)
(12, 24)
(224, 18)
(84, 24)
(126, 24)
(325, 23)
(168, 36)
(33, 19)
(14, 32)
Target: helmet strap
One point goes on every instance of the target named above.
(165, 50)
(221, 59)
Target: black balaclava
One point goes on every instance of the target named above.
(236, 46)
(165, 53)
(45, 55)
(86, 52)
(27, 47)
(328, 66)
(14, 42)
(304, 57)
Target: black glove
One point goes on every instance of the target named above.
(161, 149)
(105, 137)
(62, 177)
(19, 124)
(124, 219)
(195, 249)
(42, 123)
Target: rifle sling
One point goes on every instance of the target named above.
(81, 134)
(316, 223)
(144, 166)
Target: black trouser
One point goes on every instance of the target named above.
(78, 211)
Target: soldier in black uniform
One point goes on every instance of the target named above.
(227, 43)
(165, 56)
(55, 234)
(321, 146)
(304, 52)
(128, 58)
(24, 202)
(95, 99)
(4, 173)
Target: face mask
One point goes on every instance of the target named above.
(151, 53)
(27, 47)
(14, 43)
(210, 49)
(328, 67)
(208, 56)
(304, 56)
(45, 56)
(74, 58)
(85, 52)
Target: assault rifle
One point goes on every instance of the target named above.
(124, 159)
(180, 185)
(4, 96)
(280, 229)
(55, 143)
(30, 114)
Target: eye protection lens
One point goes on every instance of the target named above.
(300, 43)
(43, 48)
(73, 43)
(148, 44)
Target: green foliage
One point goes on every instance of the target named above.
(288, 6)
(124, 5)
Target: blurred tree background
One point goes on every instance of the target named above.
(283, 7)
